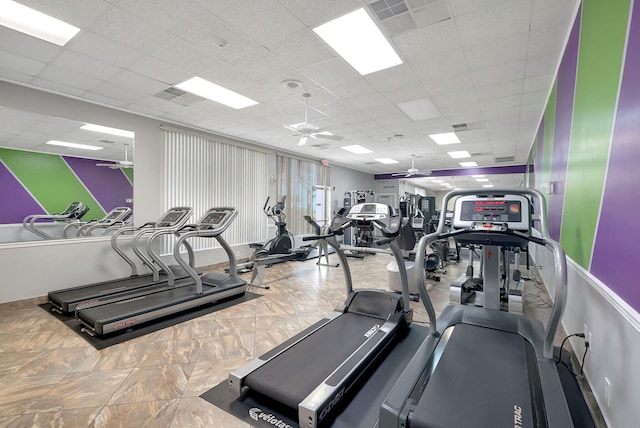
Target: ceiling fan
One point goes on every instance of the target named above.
(306, 130)
(411, 171)
(126, 163)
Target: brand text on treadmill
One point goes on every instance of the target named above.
(517, 416)
(257, 415)
(372, 330)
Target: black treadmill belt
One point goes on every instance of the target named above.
(481, 380)
(143, 304)
(295, 373)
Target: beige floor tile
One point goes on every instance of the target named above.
(153, 384)
(81, 390)
(207, 374)
(18, 394)
(53, 361)
(194, 412)
(76, 418)
(150, 414)
(227, 347)
(122, 356)
(171, 352)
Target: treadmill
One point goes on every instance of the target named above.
(319, 369)
(481, 366)
(116, 216)
(69, 299)
(73, 213)
(198, 291)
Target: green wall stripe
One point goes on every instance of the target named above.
(603, 32)
(50, 181)
(549, 129)
(129, 173)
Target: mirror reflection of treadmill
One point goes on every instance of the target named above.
(69, 299)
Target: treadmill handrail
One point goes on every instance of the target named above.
(560, 261)
(216, 233)
(158, 260)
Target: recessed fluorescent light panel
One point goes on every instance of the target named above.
(481, 180)
(29, 21)
(487, 185)
(359, 41)
(438, 181)
(108, 130)
(359, 150)
(445, 138)
(478, 176)
(217, 93)
(459, 155)
(73, 145)
(420, 109)
(468, 164)
(386, 160)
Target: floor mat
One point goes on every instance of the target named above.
(361, 411)
(118, 337)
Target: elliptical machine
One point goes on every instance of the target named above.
(283, 242)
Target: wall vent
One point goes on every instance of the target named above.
(504, 159)
(400, 16)
(179, 96)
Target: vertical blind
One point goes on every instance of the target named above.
(296, 179)
(202, 173)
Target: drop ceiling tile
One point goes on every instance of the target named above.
(497, 51)
(138, 83)
(492, 22)
(301, 49)
(330, 72)
(160, 70)
(314, 13)
(461, 7)
(441, 64)
(541, 64)
(261, 63)
(69, 78)
(502, 89)
(186, 56)
(545, 13)
(14, 76)
(498, 73)
(455, 99)
(20, 64)
(353, 88)
(422, 43)
(547, 42)
(166, 14)
(536, 83)
(129, 30)
(103, 49)
(257, 19)
(395, 78)
(536, 97)
(21, 44)
(105, 99)
(218, 38)
(57, 87)
(374, 99)
(451, 83)
(119, 94)
(229, 76)
(512, 101)
(74, 61)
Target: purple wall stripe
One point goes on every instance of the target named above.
(615, 252)
(562, 136)
(16, 199)
(110, 187)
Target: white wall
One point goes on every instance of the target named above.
(345, 179)
(615, 339)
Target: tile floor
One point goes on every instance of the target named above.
(52, 377)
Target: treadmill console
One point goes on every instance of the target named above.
(383, 216)
(216, 218)
(115, 214)
(474, 212)
(173, 217)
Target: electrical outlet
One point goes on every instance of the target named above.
(607, 391)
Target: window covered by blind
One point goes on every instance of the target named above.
(202, 173)
(296, 179)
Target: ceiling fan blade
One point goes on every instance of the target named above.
(303, 140)
(291, 128)
(327, 136)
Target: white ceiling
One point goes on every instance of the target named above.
(489, 64)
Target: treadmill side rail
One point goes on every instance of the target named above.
(322, 400)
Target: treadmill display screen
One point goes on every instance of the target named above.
(171, 218)
(114, 215)
(492, 211)
(368, 209)
(214, 218)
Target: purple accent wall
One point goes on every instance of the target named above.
(615, 252)
(110, 187)
(20, 200)
(511, 169)
(562, 133)
(538, 163)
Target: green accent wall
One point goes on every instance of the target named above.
(129, 173)
(549, 131)
(602, 43)
(50, 181)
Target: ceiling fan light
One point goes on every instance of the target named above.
(303, 140)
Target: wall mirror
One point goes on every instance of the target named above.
(47, 163)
